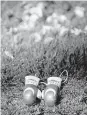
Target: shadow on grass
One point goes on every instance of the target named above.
(59, 95)
(38, 101)
(59, 98)
(35, 103)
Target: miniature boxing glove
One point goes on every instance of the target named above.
(31, 92)
(51, 92)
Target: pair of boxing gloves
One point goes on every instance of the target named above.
(49, 94)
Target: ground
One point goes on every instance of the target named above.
(42, 40)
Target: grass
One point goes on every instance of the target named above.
(43, 59)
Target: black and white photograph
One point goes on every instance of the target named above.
(43, 56)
